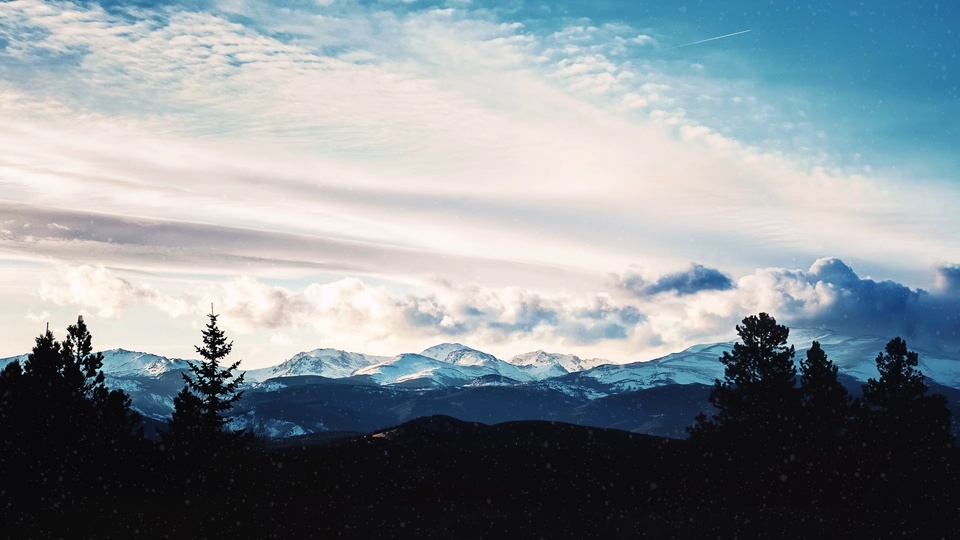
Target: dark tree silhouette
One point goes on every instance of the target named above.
(900, 414)
(65, 436)
(900, 381)
(757, 395)
(112, 418)
(825, 402)
(749, 442)
(210, 391)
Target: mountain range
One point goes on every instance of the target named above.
(328, 390)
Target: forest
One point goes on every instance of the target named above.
(785, 452)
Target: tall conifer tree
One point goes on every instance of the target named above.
(210, 391)
(757, 396)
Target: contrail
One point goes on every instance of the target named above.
(711, 39)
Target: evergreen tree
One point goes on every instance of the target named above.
(61, 425)
(825, 402)
(897, 409)
(757, 396)
(900, 381)
(210, 391)
(113, 419)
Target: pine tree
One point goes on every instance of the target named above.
(750, 441)
(757, 396)
(897, 408)
(210, 391)
(113, 419)
(61, 424)
(825, 402)
(900, 381)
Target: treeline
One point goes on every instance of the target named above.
(797, 436)
(75, 460)
(785, 452)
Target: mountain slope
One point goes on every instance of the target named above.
(331, 363)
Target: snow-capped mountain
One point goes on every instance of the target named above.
(418, 370)
(331, 363)
(854, 356)
(461, 355)
(331, 389)
(542, 365)
(124, 363)
(442, 351)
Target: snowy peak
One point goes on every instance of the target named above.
(442, 351)
(542, 365)
(416, 369)
(332, 363)
(124, 363)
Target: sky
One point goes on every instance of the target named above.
(610, 179)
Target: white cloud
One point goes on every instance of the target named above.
(40, 317)
(96, 288)
(644, 39)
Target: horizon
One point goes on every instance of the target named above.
(792, 340)
(611, 181)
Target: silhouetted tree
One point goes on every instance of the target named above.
(825, 402)
(900, 381)
(113, 420)
(64, 434)
(757, 395)
(210, 390)
(900, 414)
(749, 440)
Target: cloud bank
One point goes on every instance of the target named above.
(829, 294)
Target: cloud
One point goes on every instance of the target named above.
(947, 279)
(354, 307)
(43, 316)
(830, 294)
(698, 278)
(644, 39)
(96, 288)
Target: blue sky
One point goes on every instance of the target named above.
(600, 178)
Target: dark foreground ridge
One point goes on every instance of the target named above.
(439, 477)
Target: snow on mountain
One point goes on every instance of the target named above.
(124, 363)
(542, 365)
(330, 363)
(854, 356)
(4, 362)
(418, 369)
(442, 351)
(471, 357)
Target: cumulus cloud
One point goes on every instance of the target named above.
(662, 315)
(696, 279)
(831, 294)
(98, 289)
(355, 307)
(948, 279)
